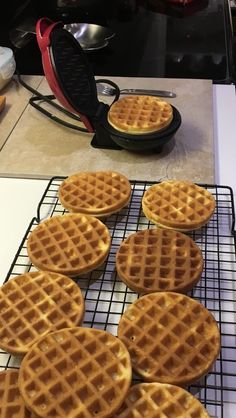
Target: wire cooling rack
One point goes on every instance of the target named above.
(106, 297)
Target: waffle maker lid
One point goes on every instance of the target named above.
(67, 71)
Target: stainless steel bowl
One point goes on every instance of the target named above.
(89, 35)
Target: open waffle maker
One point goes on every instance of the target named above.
(72, 82)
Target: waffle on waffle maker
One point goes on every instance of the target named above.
(73, 84)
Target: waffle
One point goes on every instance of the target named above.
(76, 372)
(159, 400)
(171, 338)
(140, 114)
(2, 102)
(98, 193)
(179, 205)
(11, 402)
(154, 260)
(71, 244)
(33, 304)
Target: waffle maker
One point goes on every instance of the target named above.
(73, 84)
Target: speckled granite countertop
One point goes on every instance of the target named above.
(34, 146)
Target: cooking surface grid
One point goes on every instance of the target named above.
(106, 297)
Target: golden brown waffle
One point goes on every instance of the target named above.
(76, 372)
(99, 193)
(11, 402)
(2, 102)
(171, 338)
(154, 260)
(140, 114)
(179, 205)
(159, 400)
(69, 244)
(34, 304)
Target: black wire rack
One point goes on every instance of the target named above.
(106, 297)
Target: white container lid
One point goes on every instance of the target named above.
(7, 63)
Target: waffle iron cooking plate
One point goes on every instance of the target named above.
(67, 71)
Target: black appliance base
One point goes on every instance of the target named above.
(102, 139)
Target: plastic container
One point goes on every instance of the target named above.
(7, 65)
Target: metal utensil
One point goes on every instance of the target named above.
(19, 39)
(90, 36)
(110, 91)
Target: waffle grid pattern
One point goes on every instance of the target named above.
(71, 245)
(140, 114)
(95, 193)
(106, 297)
(58, 366)
(171, 338)
(33, 304)
(159, 260)
(11, 402)
(161, 401)
(178, 205)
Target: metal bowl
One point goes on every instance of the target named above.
(89, 35)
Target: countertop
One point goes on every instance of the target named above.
(39, 147)
(23, 128)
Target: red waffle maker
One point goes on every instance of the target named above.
(72, 82)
